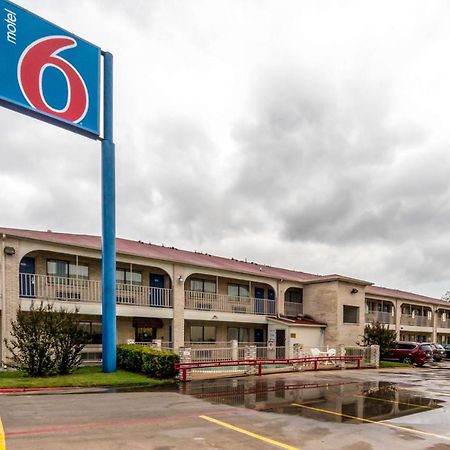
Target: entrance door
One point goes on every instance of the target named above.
(259, 300)
(26, 281)
(156, 289)
(281, 343)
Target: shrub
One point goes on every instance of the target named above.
(377, 333)
(46, 341)
(151, 362)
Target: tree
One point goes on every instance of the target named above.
(376, 333)
(46, 341)
(446, 296)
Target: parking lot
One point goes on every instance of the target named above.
(351, 409)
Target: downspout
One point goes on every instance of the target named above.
(3, 346)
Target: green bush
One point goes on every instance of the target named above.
(151, 362)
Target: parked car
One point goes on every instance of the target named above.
(438, 352)
(417, 353)
(447, 350)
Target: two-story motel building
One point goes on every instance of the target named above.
(186, 297)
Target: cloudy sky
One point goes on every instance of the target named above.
(311, 135)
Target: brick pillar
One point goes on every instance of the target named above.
(341, 352)
(11, 302)
(297, 352)
(178, 307)
(280, 299)
(185, 356)
(434, 317)
(398, 313)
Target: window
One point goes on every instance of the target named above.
(125, 276)
(238, 290)
(238, 334)
(203, 334)
(94, 329)
(294, 295)
(203, 285)
(351, 314)
(59, 268)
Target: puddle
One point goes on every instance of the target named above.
(375, 400)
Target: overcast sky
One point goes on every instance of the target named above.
(312, 135)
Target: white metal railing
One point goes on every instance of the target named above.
(205, 301)
(292, 309)
(421, 321)
(48, 287)
(211, 354)
(380, 316)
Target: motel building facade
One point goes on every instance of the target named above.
(185, 299)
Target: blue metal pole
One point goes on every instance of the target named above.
(108, 223)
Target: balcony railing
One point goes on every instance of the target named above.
(47, 287)
(443, 323)
(204, 301)
(380, 316)
(292, 309)
(420, 321)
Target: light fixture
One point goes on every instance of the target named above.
(9, 251)
(354, 291)
(180, 279)
(214, 317)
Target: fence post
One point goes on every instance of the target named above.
(234, 350)
(250, 353)
(375, 356)
(185, 357)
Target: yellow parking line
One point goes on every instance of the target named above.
(2, 437)
(248, 433)
(393, 401)
(384, 424)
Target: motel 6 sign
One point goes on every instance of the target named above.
(47, 72)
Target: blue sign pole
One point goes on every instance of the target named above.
(108, 223)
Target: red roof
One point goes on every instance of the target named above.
(172, 254)
(299, 320)
(158, 252)
(402, 295)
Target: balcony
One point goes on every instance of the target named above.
(205, 301)
(418, 321)
(380, 316)
(46, 287)
(292, 309)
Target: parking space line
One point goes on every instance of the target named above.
(249, 433)
(394, 401)
(2, 436)
(384, 424)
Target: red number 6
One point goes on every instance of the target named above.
(32, 63)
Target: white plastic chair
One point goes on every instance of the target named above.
(315, 352)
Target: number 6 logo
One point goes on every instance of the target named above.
(34, 60)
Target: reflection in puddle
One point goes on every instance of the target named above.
(370, 400)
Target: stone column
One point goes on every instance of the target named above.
(280, 299)
(398, 313)
(250, 353)
(434, 316)
(375, 356)
(234, 350)
(185, 357)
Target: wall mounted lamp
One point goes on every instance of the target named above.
(180, 279)
(9, 251)
(354, 291)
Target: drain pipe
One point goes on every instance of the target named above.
(4, 322)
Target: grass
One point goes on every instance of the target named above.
(82, 377)
(386, 364)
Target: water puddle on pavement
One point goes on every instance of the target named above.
(374, 400)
